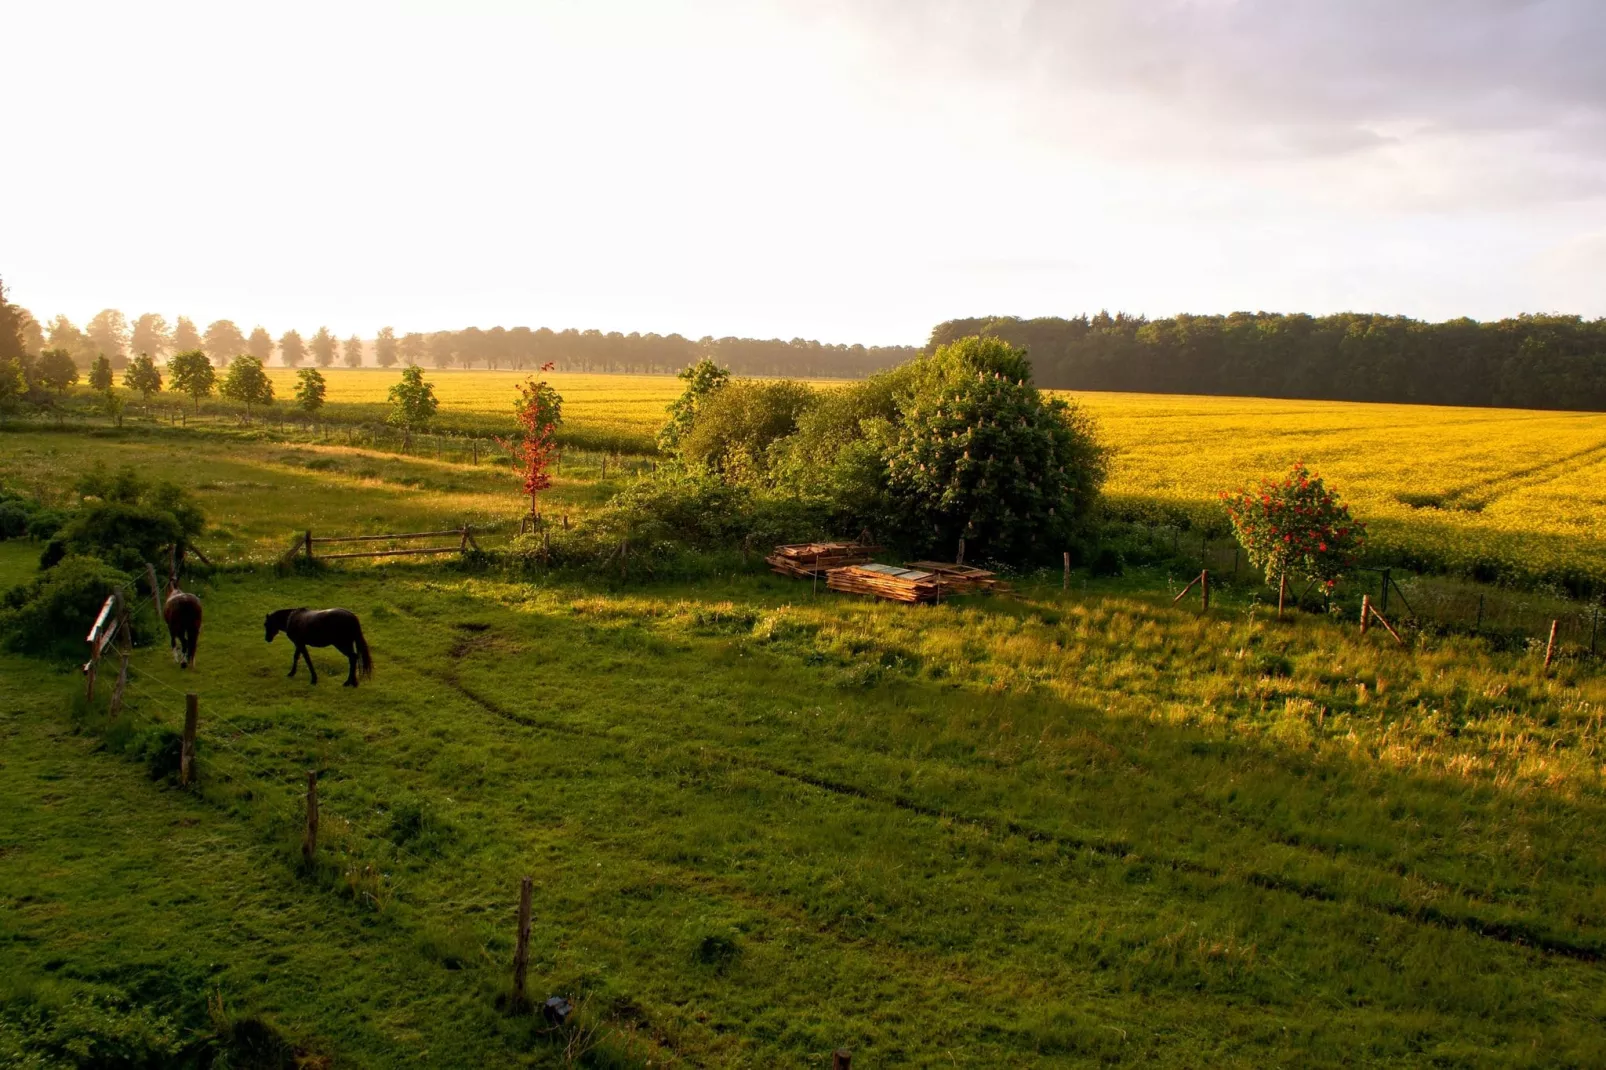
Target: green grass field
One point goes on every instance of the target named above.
(1055, 828)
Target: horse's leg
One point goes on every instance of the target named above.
(296, 657)
(307, 657)
(349, 649)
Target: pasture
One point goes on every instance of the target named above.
(1515, 494)
(1069, 826)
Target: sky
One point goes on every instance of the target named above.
(846, 170)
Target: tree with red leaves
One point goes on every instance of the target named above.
(539, 410)
(1296, 525)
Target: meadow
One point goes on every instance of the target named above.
(1066, 826)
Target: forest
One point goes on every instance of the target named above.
(1531, 361)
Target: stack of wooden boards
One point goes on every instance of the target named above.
(887, 581)
(807, 560)
(962, 579)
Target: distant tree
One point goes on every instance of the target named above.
(66, 338)
(192, 374)
(57, 370)
(323, 347)
(292, 350)
(143, 377)
(385, 347)
(248, 384)
(310, 389)
(539, 410)
(412, 402)
(413, 348)
(13, 385)
(100, 374)
(13, 344)
(352, 353)
(260, 345)
(33, 336)
(703, 380)
(1295, 526)
(107, 332)
(151, 335)
(185, 336)
(443, 349)
(224, 342)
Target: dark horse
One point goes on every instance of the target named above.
(338, 628)
(182, 611)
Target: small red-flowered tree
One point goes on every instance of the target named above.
(539, 409)
(1295, 525)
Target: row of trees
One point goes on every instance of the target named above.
(110, 334)
(1541, 362)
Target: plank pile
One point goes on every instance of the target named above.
(807, 560)
(962, 579)
(889, 581)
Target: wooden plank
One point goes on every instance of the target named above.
(378, 538)
(106, 608)
(391, 553)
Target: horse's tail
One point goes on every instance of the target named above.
(365, 660)
(194, 640)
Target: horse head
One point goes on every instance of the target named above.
(274, 623)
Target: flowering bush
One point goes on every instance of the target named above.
(1296, 526)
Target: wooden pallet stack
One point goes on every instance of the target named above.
(890, 582)
(807, 560)
(962, 579)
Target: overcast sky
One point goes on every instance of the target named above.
(841, 170)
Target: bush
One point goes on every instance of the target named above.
(736, 426)
(14, 519)
(131, 524)
(1295, 526)
(52, 615)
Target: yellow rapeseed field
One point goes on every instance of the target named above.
(1518, 488)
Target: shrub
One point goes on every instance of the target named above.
(1295, 526)
(132, 522)
(703, 380)
(51, 615)
(736, 426)
(15, 517)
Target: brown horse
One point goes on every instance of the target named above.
(182, 611)
(338, 628)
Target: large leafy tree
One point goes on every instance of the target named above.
(351, 352)
(107, 333)
(310, 390)
(385, 347)
(737, 425)
(292, 350)
(13, 346)
(100, 374)
(151, 335)
(443, 349)
(703, 380)
(185, 336)
(413, 347)
(143, 377)
(412, 402)
(57, 370)
(224, 342)
(248, 384)
(192, 374)
(979, 453)
(63, 336)
(323, 347)
(260, 345)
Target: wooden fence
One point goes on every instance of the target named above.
(306, 542)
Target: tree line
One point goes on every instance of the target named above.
(1531, 361)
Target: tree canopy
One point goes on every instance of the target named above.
(247, 383)
(192, 374)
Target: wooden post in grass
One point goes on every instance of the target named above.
(309, 839)
(122, 681)
(186, 752)
(1550, 645)
(307, 541)
(1282, 593)
(1388, 579)
(1065, 584)
(1204, 591)
(1366, 612)
(1478, 627)
(959, 559)
(156, 591)
(842, 1059)
(476, 445)
(1594, 630)
(1235, 552)
(521, 949)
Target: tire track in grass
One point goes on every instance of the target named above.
(1517, 933)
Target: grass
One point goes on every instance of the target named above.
(1069, 826)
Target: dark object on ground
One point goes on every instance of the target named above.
(556, 1010)
(338, 628)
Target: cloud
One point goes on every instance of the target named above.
(1478, 101)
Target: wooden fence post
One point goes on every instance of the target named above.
(186, 753)
(1236, 550)
(842, 1059)
(1388, 581)
(959, 559)
(521, 949)
(1478, 627)
(1282, 593)
(117, 689)
(156, 591)
(1204, 591)
(309, 839)
(1065, 584)
(307, 541)
(1594, 629)
(1366, 612)
(1550, 646)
